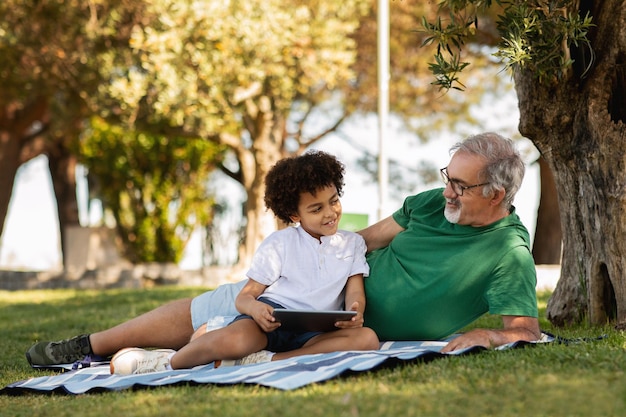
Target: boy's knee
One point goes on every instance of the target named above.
(201, 330)
(369, 339)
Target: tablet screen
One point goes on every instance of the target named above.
(312, 321)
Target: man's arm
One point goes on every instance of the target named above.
(515, 328)
(381, 233)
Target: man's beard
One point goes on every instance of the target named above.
(452, 214)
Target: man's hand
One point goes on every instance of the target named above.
(516, 328)
(478, 337)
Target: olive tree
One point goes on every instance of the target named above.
(567, 59)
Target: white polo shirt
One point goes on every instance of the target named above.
(302, 273)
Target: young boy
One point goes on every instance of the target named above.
(309, 266)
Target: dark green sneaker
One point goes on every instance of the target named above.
(56, 353)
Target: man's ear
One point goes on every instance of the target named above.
(295, 218)
(498, 196)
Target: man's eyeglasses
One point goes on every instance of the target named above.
(456, 187)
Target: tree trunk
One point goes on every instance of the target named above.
(9, 163)
(20, 141)
(578, 126)
(266, 128)
(260, 222)
(22, 128)
(547, 242)
(62, 164)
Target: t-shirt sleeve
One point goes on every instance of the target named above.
(418, 205)
(267, 262)
(512, 291)
(403, 214)
(360, 265)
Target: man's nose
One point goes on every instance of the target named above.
(448, 191)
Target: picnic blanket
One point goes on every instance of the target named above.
(287, 374)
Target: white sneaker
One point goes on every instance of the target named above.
(132, 361)
(256, 357)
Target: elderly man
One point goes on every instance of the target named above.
(446, 258)
(437, 264)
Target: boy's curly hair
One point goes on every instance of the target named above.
(290, 177)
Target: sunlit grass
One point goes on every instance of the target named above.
(583, 379)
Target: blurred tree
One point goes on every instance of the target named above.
(233, 73)
(154, 186)
(569, 77)
(48, 70)
(265, 78)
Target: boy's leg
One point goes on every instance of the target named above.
(362, 338)
(234, 341)
(167, 326)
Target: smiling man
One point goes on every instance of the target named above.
(450, 255)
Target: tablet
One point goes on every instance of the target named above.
(311, 321)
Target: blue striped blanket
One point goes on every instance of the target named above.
(285, 374)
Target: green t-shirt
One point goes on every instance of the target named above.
(436, 277)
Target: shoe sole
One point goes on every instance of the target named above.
(30, 361)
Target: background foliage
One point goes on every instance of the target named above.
(264, 79)
(154, 186)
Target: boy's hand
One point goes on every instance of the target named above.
(262, 315)
(356, 321)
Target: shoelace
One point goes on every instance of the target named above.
(147, 365)
(252, 358)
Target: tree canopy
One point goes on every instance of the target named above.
(245, 75)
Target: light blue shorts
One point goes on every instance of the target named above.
(216, 306)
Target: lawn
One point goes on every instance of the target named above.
(583, 379)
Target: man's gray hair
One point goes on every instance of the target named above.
(504, 168)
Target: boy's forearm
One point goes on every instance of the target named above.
(247, 296)
(361, 300)
(244, 304)
(355, 292)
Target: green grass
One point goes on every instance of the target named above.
(585, 379)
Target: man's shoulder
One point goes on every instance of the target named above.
(512, 225)
(426, 203)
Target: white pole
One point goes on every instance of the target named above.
(383, 103)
